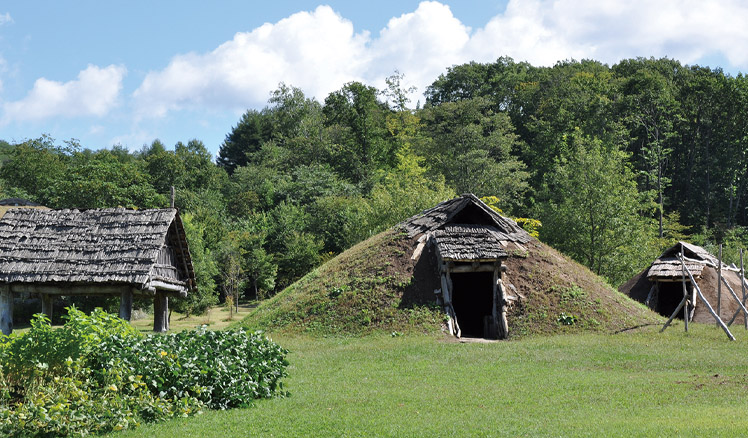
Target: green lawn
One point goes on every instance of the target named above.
(630, 384)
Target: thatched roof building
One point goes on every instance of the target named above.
(462, 243)
(95, 252)
(660, 286)
(9, 203)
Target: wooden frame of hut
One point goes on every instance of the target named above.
(468, 241)
(112, 252)
(662, 286)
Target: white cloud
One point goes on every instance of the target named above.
(94, 93)
(545, 31)
(6, 18)
(319, 51)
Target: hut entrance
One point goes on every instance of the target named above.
(472, 298)
(669, 295)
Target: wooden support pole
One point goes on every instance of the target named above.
(719, 284)
(685, 300)
(6, 310)
(742, 288)
(48, 302)
(503, 325)
(454, 327)
(497, 304)
(709, 306)
(160, 312)
(125, 305)
(648, 301)
(734, 295)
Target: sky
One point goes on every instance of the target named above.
(127, 72)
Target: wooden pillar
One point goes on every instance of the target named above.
(48, 302)
(125, 305)
(6, 310)
(503, 324)
(719, 284)
(742, 287)
(160, 312)
(497, 304)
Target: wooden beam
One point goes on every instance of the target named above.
(719, 283)
(6, 310)
(709, 306)
(734, 295)
(48, 302)
(742, 287)
(84, 289)
(648, 301)
(483, 267)
(685, 292)
(496, 307)
(160, 313)
(125, 305)
(503, 324)
(672, 317)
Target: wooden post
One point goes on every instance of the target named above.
(709, 307)
(503, 325)
(742, 287)
(6, 310)
(741, 306)
(497, 304)
(648, 301)
(160, 312)
(683, 302)
(48, 302)
(685, 299)
(125, 305)
(454, 326)
(173, 195)
(719, 284)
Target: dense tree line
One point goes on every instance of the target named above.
(616, 162)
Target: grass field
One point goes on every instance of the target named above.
(628, 384)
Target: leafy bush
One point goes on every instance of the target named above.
(222, 369)
(97, 374)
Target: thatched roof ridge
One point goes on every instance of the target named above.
(89, 246)
(668, 265)
(19, 202)
(449, 211)
(463, 242)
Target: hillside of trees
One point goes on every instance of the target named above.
(616, 162)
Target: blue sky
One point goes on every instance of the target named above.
(116, 72)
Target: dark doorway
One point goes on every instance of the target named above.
(472, 299)
(669, 296)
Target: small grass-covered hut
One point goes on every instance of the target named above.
(118, 252)
(462, 243)
(660, 286)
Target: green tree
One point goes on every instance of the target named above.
(358, 129)
(593, 209)
(254, 129)
(206, 271)
(471, 147)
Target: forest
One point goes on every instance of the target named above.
(609, 164)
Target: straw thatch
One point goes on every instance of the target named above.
(144, 249)
(465, 209)
(469, 243)
(669, 266)
(660, 286)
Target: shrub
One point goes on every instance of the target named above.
(222, 369)
(97, 374)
